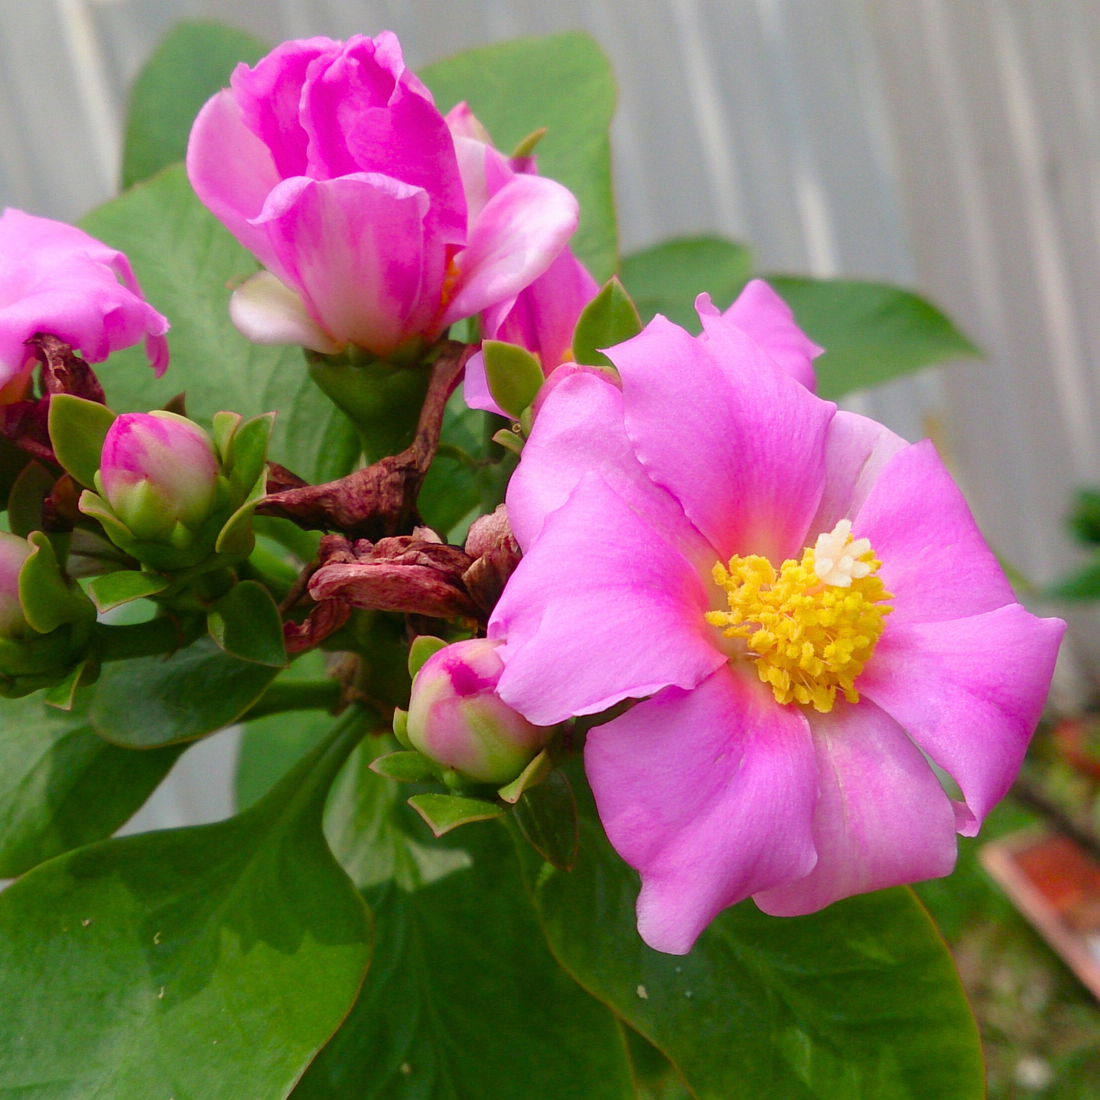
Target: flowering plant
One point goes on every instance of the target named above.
(602, 684)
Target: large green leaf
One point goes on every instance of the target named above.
(857, 1002)
(563, 83)
(154, 701)
(187, 263)
(668, 277)
(870, 332)
(465, 1002)
(61, 786)
(199, 963)
(193, 60)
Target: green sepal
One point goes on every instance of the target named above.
(237, 539)
(510, 441)
(609, 319)
(547, 817)
(28, 493)
(47, 600)
(444, 812)
(77, 430)
(222, 426)
(531, 776)
(63, 693)
(123, 586)
(527, 146)
(245, 623)
(423, 647)
(93, 505)
(246, 453)
(401, 728)
(513, 374)
(405, 767)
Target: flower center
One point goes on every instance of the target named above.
(811, 626)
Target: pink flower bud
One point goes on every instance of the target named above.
(13, 552)
(158, 469)
(457, 719)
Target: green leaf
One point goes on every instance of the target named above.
(114, 589)
(192, 62)
(1080, 586)
(48, 601)
(28, 493)
(859, 1000)
(513, 374)
(547, 818)
(444, 812)
(465, 1000)
(1083, 521)
(423, 647)
(61, 786)
(187, 262)
(246, 452)
(668, 277)
(564, 83)
(77, 431)
(870, 332)
(203, 962)
(609, 319)
(405, 767)
(152, 701)
(245, 623)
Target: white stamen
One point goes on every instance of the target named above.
(836, 559)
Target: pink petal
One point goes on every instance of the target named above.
(600, 608)
(856, 450)
(266, 311)
(881, 819)
(579, 429)
(354, 248)
(520, 231)
(232, 172)
(761, 314)
(934, 559)
(543, 316)
(968, 692)
(365, 112)
(709, 794)
(475, 386)
(744, 450)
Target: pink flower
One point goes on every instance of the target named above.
(56, 279)
(158, 470)
(542, 317)
(802, 602)
(330, 161)
(456, 718)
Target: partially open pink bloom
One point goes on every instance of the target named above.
(56, 279)
(802, 602)
(542, 317)
(158, 470)
(330, 162)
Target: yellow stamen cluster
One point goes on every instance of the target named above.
(809, 639)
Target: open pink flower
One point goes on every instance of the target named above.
(802, 602)
(56, 279)
(330, 162)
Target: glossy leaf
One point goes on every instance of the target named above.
(464, 1001)
(48, 600)
(114, 589)
(245, 623)
(193, 60)
(871, 332)
(547, 817)
(563, 83)
(202, 963)
(859, 1000)
(668, 277)
(153, 701)
(444, 812)
(77, 431)
(187, 263)
(513, 374)
(61, 786)
(609, 319)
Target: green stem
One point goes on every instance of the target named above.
(286, 695)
